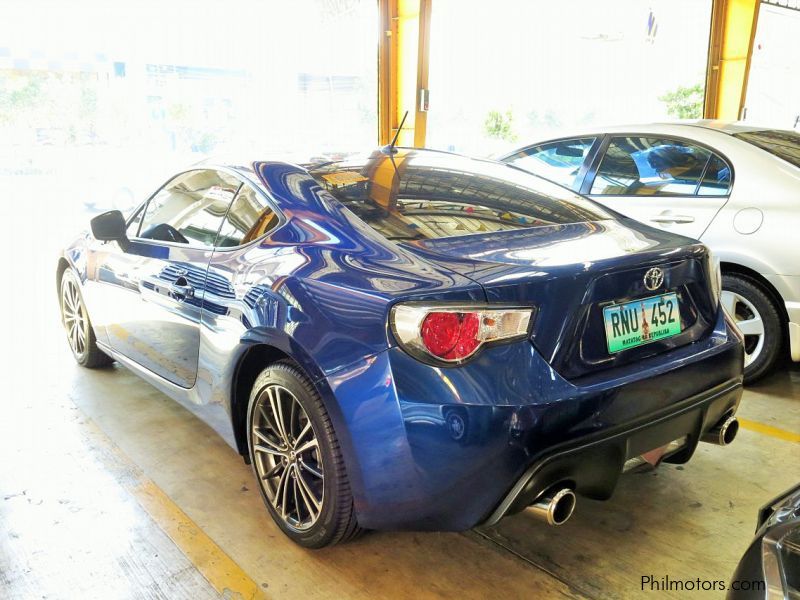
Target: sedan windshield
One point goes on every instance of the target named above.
(430, 195)
(781, 143)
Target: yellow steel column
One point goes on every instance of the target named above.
(403, 69)
(407, 53)
(387, 71)
(733, 27)
(423, 52)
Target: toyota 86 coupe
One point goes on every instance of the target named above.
(412, 339)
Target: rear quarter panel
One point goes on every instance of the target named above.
(758, 227)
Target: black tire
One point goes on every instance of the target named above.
(752, 293)
(335, 521)
(86, 352)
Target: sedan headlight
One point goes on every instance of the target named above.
(451, 334)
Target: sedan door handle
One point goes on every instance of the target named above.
(181, 291)
(673, 219)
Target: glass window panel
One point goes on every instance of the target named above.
(506, 74)
(783, 144)
(638, 166)
(249, 218)
(558, 161)
(439, 196)
(189, 209)
(133, 224)
(773, 80)
(717, 180)
(99, 106)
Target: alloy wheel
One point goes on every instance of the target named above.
(287, 457)
(749, 321)
(76, 321)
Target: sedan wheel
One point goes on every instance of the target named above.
(758, 319)
(750, 323)
(287, 457)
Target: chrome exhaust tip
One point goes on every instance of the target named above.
(723, 433)
(554, 508)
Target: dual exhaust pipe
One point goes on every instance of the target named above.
(555, 507)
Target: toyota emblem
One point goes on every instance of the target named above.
(653, 278)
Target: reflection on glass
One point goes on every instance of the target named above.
(783, 144)
(249, 218)
(189, 209)
(430, 195)
(639, 166)
(557, 161)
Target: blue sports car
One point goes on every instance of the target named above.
(410, 340)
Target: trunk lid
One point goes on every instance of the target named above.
(571, 272)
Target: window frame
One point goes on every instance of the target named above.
(591, 173)
(241, 178)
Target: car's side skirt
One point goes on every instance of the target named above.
(214, 415)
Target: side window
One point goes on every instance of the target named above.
(557, 161)
(190, 208)
(249, 218)
(717, 180)
(133, 225)
(644, 166)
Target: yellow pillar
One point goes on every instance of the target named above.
(423, 49)
(403, 69)
(733, 27)
(387, 71)
(407, 48)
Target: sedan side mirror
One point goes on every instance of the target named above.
(110, 226)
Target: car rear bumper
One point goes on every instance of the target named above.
(592, 465)
(428, 448)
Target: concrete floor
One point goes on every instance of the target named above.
(109, 489)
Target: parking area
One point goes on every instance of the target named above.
(128, 493)
(500, 299)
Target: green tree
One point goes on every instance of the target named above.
(498, 125)
(20, 96)
(685, 102)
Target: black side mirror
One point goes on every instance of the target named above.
(110, 226)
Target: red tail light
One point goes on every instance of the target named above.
(452, 334)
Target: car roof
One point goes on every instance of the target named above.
(314, 162)
(677, 127)
(729, 127)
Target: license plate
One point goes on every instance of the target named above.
(642, 321)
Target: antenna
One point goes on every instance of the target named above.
(390, 148)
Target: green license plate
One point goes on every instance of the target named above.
(641, 321)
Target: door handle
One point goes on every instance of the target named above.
(182, 292)
(673, 219)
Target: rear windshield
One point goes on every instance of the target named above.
(429, 195)
(783, 144)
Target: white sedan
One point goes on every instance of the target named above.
(733, 186)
